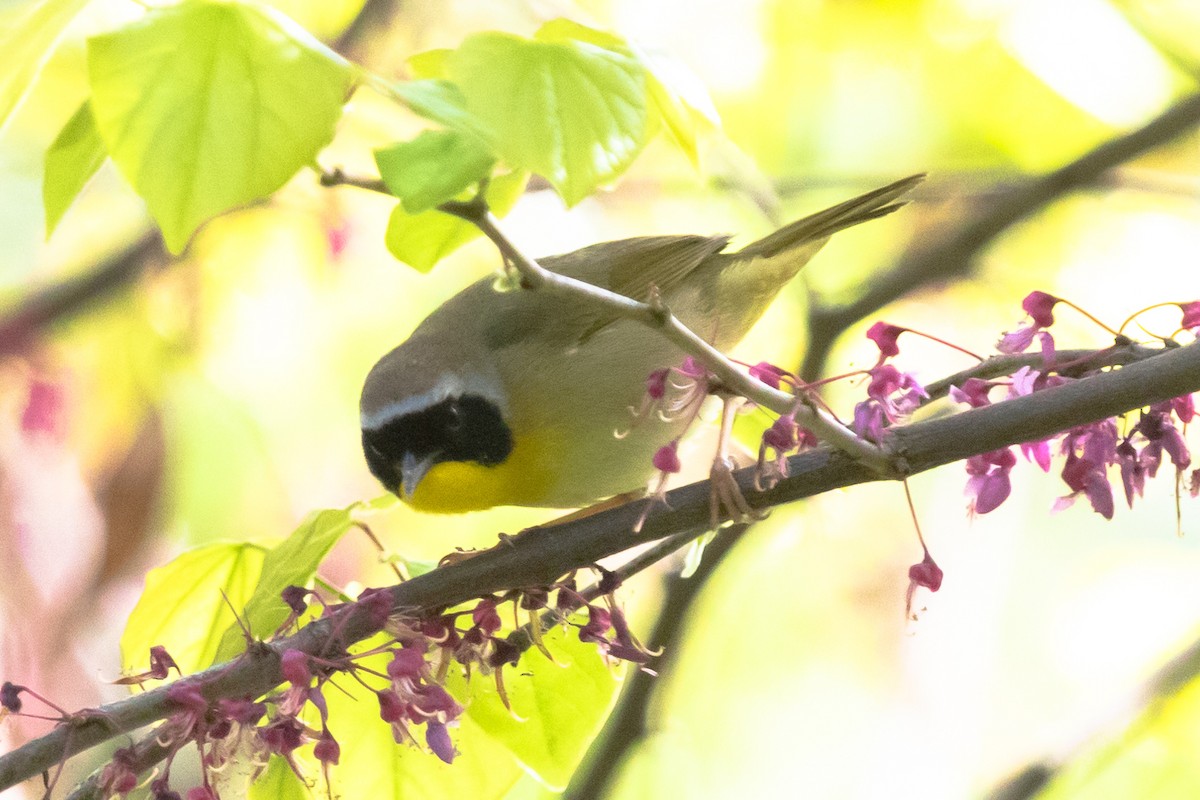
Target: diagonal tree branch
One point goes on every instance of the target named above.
(953, 254)
(539, 556)
(73, 295)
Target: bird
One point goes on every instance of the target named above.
(512, 398)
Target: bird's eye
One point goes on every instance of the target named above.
(455, 422)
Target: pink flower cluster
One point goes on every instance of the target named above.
(1088, 451)
(421, 653)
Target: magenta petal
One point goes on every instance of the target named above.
(885, 335)
(993, 491)
(1047, 342)
(926, 574)
(1191, 314)
(1040, 308)
(1174, 444)
(666, 459)
(1184, 407)
(1038, 453)
(1099, 494)
(438, 739)
(769, 374)
(974, 392)
(1017, 341)
(327, 750)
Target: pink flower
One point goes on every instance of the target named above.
(891, 395)
(1017, 341)
(989, 484)
(974, 392)
(406, 663)
(438, 740)
(1085, 477)
(294, 665)
(927, 574)
(45, 409)
(1040, 308)
(598, 624)
(769, 374)
(656, 384)
(1048, 352)
(1037, 452)
(1184, 407)
(1133, 471)
(666, 459)
(486, 617)
(1024, 382)
(1191, 315)
(885, 336)
(327, 750)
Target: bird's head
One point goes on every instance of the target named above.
(414, 419)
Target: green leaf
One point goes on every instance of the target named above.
(430, 64)
(680, 99)
(182, 607)
(278, 783)
(208, 106)
(562, 29)
(422, 240)
(433, 168)
(557, 709)
(373, 765)
(439, 101)
(571, 111)
(26, 44)
(1157, 749)
(291, 563)
(73, 158)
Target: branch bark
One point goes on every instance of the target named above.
(539, 556)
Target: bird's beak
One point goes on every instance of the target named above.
(413, 470)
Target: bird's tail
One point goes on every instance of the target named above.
(824, 224)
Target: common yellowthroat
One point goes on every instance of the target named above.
(513, 398)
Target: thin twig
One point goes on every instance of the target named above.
(1080, 362)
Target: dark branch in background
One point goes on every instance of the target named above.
(42, 307)
(629, 722)
(953, 254)
(1184, 668)
(539, 556)
(373, 17)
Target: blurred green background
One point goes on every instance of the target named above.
(216, 398)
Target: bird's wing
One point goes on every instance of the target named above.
(635, 267)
